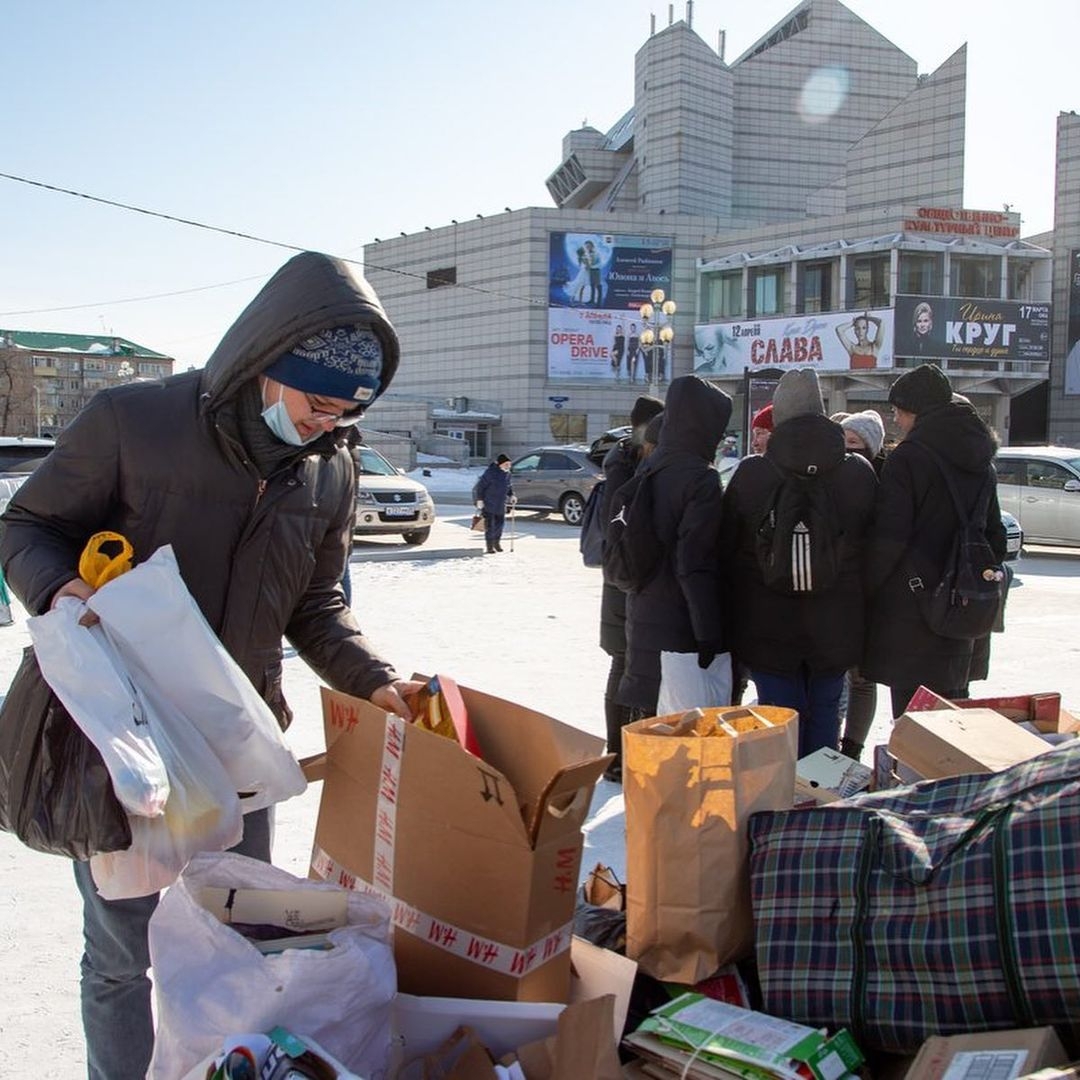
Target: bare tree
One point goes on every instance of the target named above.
(17, 402)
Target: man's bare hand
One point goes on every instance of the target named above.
(391, 697)
(79, 590)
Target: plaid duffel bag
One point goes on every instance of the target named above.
(949, 906)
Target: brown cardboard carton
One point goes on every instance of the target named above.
(957, 742)
(479, 858)
(827, 775)
(1003, 1054)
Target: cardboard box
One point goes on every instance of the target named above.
(1003, 1055)
(420, 1025)
(957, 742)
(827, 775)
(479, 859)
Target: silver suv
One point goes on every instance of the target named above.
(555, 478)
(388, 501)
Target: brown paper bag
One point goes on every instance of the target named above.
(580, 1049)
(691, 783)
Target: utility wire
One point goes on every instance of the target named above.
(225, 232)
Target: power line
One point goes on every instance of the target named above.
(224, 232)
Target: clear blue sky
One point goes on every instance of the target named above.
(330, 123)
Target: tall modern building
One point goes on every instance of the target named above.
(802, 205)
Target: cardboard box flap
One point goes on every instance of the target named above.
(564, 803)
(989, 1053)
(524, 745)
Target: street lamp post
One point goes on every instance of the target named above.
(37, 409)
(657, 331)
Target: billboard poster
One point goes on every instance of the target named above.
(827, 341)
(1072, 349)
(951, 327)
(596, 283)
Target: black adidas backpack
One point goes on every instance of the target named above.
(965, 603)
(799, 538)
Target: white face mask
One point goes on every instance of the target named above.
(280, 422)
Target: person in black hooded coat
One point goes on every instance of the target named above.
(799, 646)
(679, 612)
(620, 463)
(914, 529)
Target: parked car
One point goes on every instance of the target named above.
(555, 478)
(388, 501)
(603, 443)
(1040, 487)
(1014, 535)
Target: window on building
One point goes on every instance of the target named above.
(817, 287)
(569, 427)
(446, 276)
(1020, 277)
(920, 275)
(767, 290)
(975, 275)
(870, 281)
(724, 295)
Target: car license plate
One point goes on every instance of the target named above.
(399, 511)
(1012, 544)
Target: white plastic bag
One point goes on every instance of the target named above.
(81, 668)
(202, 812)
(685, 685)
(210, 982)
(166, 643)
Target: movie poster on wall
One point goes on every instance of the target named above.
(826, 341)
(953, 327)
(596, 284)
(1072, 344)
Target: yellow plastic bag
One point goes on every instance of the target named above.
(97, 568)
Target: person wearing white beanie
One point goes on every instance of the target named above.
(864, 433)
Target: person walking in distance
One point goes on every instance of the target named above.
(914, 530)
(493, 493)
(242, 467)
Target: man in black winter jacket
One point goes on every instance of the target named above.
(242, 467)
(620, 463)
(915, 525)
(493, 491)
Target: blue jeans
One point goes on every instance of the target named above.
(816, 698)
(117, 1020)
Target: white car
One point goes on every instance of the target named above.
(388, 501)
(1040, 487)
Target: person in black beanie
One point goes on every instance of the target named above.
(493, 492)
(620, 464)
(914, 529)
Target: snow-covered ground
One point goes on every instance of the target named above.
(522, 625)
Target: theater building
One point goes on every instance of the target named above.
(802, 204)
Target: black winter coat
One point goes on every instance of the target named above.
(913, 533)
(263, 557)
(619, 465)
(772, 631)
(680, 609)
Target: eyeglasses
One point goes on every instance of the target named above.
(319, 415)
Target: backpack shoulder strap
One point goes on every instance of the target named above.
(982, 501)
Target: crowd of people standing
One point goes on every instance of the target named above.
(884, 522)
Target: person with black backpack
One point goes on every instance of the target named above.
(619, 464)
(795, 522)
(674, 605)
(937, 481)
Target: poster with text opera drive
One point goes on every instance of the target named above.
(1072, 358)
(940, 327)
(596, 284)
(827, 341)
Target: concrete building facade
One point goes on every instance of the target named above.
(809, 193)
